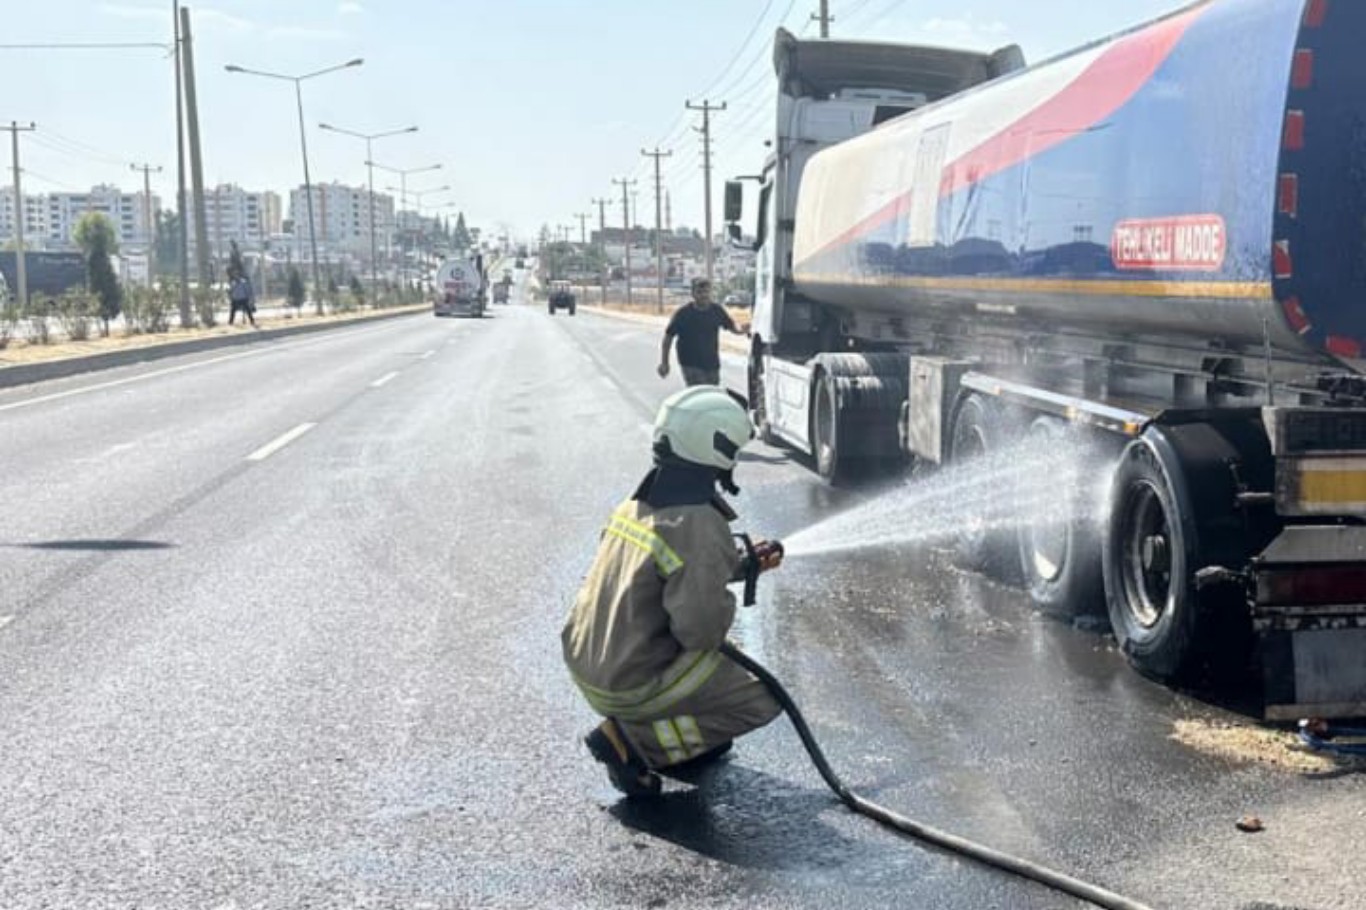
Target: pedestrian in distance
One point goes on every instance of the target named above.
(242, 298)
(642, 639)
(696, 325)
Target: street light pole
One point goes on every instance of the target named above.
(370, 170)
(403, 178)
(303, 146)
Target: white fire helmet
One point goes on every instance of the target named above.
(703, 424)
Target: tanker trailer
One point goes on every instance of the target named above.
(460, 288)
(1156, 243)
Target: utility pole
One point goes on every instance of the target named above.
(183, 244)
(602, 243)
(147, 170)
(657, 155)
(706, 108)
(583, 221)
(824, 18)
(668, 211)
(20, 273)
(626, 221)
(201, 226)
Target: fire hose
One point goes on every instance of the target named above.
(951, 842)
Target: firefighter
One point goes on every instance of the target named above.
(641, 640)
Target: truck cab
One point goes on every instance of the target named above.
(830, 91)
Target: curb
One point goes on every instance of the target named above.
(28, 373)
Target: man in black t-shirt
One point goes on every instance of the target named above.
(696, 325)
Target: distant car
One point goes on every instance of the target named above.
(735, 300)
(561, 297)
(520, 263)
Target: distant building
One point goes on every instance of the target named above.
(341, 215)
(248, 217)
(35, 218)
(50, 219)
(128, 212)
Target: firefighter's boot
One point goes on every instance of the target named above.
(627, 770)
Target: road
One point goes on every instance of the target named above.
(279, 628)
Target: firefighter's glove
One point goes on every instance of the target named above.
(756, 557)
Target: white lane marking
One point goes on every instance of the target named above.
(270, 449)
(5, 620)
(428, 354)
(608, 383)
(383, 380)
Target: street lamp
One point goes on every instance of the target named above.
(303, 145)
(403, 177)
(370, 168)
(418, 211)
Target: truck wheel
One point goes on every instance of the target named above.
(825, 432)
(550, 310)
(1149, 558)
(1059, 537)
(572, 310)
(982, 545)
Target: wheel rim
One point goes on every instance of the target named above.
(825, 427)
(1048, 538)
(1147, 553)
(968, 445)
(1047, 548)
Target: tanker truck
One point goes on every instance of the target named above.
(461, 287)
(1155, 244)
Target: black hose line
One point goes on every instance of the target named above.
(1056, 880)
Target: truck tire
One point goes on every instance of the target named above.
(1059, 544)
(573, 308)
(1150, 555)
(982, 545)
(832, 464)
(1174, 512)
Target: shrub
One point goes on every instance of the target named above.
(10, 317)
(39, 316)
(75, 312)
(206, 305)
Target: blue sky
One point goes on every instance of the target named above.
(530, 106)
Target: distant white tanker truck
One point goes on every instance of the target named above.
(461, 287)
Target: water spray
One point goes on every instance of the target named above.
(1018, 485)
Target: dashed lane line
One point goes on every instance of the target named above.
(426, 355)
(270, 449)
(383, 380)
(5, 620)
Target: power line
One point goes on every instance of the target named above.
(84, 46)
(739, 50)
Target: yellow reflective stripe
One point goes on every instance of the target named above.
(669, 740)
(692, 737)
(652, 700)
(637, 534)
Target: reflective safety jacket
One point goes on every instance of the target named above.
(654, 608)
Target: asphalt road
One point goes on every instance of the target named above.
(279, 628)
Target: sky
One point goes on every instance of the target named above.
(531, 107)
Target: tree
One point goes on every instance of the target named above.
(461, 238)
(95, 236)
(357, 290)
(236, 267)
(168, 242)
(295, 291)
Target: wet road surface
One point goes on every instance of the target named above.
(329, 676)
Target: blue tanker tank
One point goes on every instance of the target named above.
(1202, 177)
